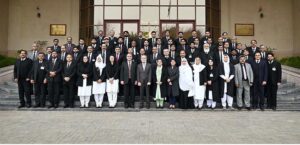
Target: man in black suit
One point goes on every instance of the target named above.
(218, 56)
(127, 40)
(173, 52)
(48, 53)
(54, 79)
(135, 50)
(263, 52)
(105, 54)
(226, 38)
(239, 49)
(82, 46)
(91, 54)
(77, 55)
(204, 39)
(100, 38)
(121, 45)
(55, 46)
(253, 48)
(69, 45)
(140, 41)
(169, 44)
(144, 80)
(183, 46)
(95, 46)
(226, 48)
(260, 71)
(178, 40)
(166, 58)
(38, 78)
(68, 75)
(154, 56)
(22, 74)
(165, 39)
(147, 48)
(193, 37)
(118, 56)
(274, 79)
(192, 53)
(182, 55)
(112, 39)
(159, 46)
(153, 39)
(217, 44)
(63, 54)
(128, 79)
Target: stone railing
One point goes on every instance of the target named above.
(6, 73)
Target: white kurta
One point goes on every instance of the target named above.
(85, 90)
(112, 88)
(99, 88)
(199, 89)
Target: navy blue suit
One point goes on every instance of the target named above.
(260, 71)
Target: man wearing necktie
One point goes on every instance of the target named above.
(260, 71)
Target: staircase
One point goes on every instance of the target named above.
(288, 98)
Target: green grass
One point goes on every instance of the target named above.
(6, 61)
(291, 61)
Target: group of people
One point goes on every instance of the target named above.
(191, 71)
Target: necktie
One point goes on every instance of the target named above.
(90, 58)
(33, 55)
(129, 69)
(244, 72)
(68, 65)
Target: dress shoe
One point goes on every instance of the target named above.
(28, 106)
(66, 106)
(21, 106)
(51, 106)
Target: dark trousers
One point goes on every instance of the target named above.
(172, 99)
(144, 88)
(272, 95)
(40, 93)
(69, 93)
(259, 95)
(53, 92)
(24, 89)
(129, 93)
(185, 102)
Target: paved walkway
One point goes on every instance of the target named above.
(149, 127)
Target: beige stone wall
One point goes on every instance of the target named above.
(25, 27)
(296, 18)
(3, 26)
(275, 30)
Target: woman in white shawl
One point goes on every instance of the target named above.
(186, 85)
(200, 80)
(226, 72)
(99, 83)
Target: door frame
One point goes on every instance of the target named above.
(121, 22)
(177, 22)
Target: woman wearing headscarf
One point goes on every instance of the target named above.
(186, 85)
(200, 80)
(84, 81)
(112, 82)
(99, 79)
(212, 87)
(226, 73)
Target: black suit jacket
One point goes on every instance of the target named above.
(35, 73)
(57, 68)
(69, 72)
(124, 72)
(25, 72)
(58, 48)
(150, 42)
(140, 43)
(96, 74)
(274, 73)
(260, 71)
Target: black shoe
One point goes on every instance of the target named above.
(274, 108)
(21, 106)
(262, 108)
(248, 108)
(28, 106)
(36, 106)
(66, 106)
(55, 106)
(51, 106)
(71, 106)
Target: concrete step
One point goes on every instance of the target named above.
(288, 91)
(286, 85)
(12, 84)
(9, 89)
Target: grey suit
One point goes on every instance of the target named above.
(243, 84)
(33, 56)
(144, 76)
